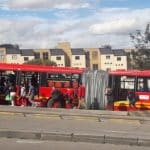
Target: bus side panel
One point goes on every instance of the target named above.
(45, 92)
(143, 102)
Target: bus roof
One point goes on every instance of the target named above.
(141, 73)
(39, 68)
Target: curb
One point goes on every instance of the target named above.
(72, 137)
(60, 111)
(75, 116)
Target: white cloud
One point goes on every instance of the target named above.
(115, 27)
(46, 4)
(120, 23)
(98, 28)
(113, 10)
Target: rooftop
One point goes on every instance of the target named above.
(27, 52)
(56, 52)
(78, 51)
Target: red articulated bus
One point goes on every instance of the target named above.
(67, 80)
(126, 82)
(46, 77)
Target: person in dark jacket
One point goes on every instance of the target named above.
(56, 96)
(131, 98)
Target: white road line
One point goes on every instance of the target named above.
(29, 142)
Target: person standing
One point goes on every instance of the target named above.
(12, 90)
(31, 95)
(23, 92)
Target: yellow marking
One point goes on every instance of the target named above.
(90, 118)
(10, 113)
(44, 116)
(30, 115)
(118, 120)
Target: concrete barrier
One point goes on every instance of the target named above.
(20, 134)
(121, 140)
(57, 136)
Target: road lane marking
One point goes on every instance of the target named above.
(29, 142)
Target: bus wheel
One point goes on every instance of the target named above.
(50, 103)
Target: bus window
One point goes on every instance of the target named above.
(140, 86)
(127, 82)
(143, 84)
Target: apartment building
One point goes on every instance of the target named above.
(58, 56)
(120, 59)
(42, 54)
(112, 59)
(106, 58)
(78, 58)
(66, 47)
(94, 58)
(9, 53)
(2, 54)
(26, 55)
(74, 57)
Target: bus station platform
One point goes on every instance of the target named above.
(95, 126)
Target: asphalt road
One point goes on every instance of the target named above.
(21, 144)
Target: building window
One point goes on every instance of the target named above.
(118, 58)
(108, 57)
(58, 58)
(37, 55)
(94, 55)
(77, 57)
(14, 57)
(1, 57)
(95, 66)
(26, 58)
(45, 55)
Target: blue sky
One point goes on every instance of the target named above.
(83, 23)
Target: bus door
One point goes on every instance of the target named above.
(121, 86)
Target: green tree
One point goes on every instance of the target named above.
(41, 62)
(140, 58)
